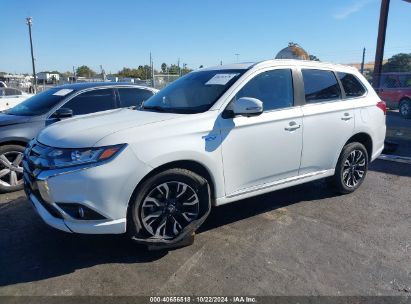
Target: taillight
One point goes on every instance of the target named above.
(381, 104)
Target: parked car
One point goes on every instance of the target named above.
(395, 90)
(22, 123)
(10, 97)
(212, 137)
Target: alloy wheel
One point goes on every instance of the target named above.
(169, 208)
(11, 171)
(405, 109)
(354, 168)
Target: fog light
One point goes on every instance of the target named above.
(80, 212)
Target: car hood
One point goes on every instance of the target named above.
(6, 120)
(87, 130)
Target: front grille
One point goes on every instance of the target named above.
(36, 157)
(33, 164)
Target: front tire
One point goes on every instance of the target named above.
(405, 108)
(166, 203)
(11, 170)
(351, 168)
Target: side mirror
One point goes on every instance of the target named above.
(247, 106)
(63, 113)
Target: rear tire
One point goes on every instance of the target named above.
(11, 170)
(166, 203)
(405, 108)
(351, 169)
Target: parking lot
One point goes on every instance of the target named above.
(305, 240)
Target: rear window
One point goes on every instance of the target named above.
(320, 85)
(352, 86)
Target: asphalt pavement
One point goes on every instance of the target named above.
(305, 240)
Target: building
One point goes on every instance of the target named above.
(45, 77)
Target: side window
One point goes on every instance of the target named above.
(91, 101)
(352, 86)
(320, 85)
(405, 81)
(131, 97)
(274, 88)
(389, 82)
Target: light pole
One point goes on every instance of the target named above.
(237, 56)
(29, 22)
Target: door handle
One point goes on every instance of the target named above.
(346, 116)
(292, 126)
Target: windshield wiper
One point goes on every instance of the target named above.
(157, 108)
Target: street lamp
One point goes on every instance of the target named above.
(29, 22)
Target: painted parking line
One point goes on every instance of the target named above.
(395, 158)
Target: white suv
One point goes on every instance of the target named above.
(214, 136)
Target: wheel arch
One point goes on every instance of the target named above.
(363, 138)
(190, 165)
(18, 142)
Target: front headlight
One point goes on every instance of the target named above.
(60, 158)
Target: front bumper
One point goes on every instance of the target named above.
(105, 189)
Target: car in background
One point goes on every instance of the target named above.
(395, 90)
(10, 97)
(20, 124)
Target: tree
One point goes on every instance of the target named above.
(142, 72)
(398, 63)
(313, 58)
(174, 69)
(201, 66)
(164, 68)
(85, 71)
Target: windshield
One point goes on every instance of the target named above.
(39, 104)
(194, 93)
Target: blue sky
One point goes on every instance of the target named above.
(122, 33)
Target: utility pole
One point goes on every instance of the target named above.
(379, 54)
(29, 22)
(74, 75)
(237, 56)
(362, 62)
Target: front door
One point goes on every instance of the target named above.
(266, 148)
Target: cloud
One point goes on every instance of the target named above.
(351, 9)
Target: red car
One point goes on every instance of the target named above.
(395, 90)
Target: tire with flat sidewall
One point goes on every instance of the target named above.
(5, 149)
(135, 228)
(337, 179)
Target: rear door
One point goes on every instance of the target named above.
(328, 120)
(133, 97)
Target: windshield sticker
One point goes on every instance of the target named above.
(63, 92)
(221, 79)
